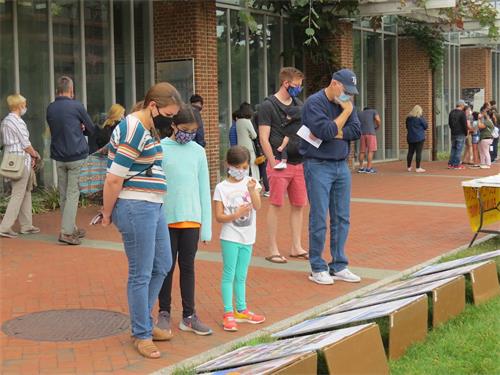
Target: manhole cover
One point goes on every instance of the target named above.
(67, 325)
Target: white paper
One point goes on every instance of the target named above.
(307, 136)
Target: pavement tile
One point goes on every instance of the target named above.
(43, 275)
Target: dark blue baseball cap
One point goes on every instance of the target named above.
(348, 80)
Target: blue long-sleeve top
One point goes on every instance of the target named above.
(416, 127)
(188, 197)
(319, 115)
(65, 117)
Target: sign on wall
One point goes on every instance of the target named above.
(179, 73)
(474, 96)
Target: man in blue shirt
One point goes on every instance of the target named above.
(69, 123)
(330, 116)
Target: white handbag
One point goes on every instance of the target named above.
(12, 166)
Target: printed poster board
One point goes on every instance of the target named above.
(265, 352)
(389, 296)
(456, 263)
(489, 191)
(428, 278)
(326, 322)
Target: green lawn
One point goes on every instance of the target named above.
(468, 344)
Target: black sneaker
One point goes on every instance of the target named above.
(194, 324)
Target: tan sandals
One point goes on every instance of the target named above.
(161, 334)
(147, 348)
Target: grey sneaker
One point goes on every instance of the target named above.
(164, 321)
(79, 232)
(9, 234)
(69, 239)
(194, 324)
(30, 230)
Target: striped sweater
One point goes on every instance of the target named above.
(132, 150)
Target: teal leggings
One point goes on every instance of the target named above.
(236, 259)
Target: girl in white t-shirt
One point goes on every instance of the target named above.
(236, 200)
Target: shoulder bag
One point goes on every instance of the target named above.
(12, 165)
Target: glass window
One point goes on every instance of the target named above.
(288, 45)
(258, 90)
(238, 60)
(391, 123)
(357, 66)
(97, 59)
(274, 53)
(34, 77)
(373, 81)
(222, 84)
(7, 56)
(124, 83)
(67, 51)
(142, 48)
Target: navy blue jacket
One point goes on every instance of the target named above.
(319, 115)
(200, 133)
(416, 127)
(65, 117)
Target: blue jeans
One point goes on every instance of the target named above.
(328, 185)
(457, 146)
(147, 244)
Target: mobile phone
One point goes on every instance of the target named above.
(97, 219)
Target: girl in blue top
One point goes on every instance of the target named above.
(188, 212)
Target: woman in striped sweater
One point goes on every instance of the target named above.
(133, 199)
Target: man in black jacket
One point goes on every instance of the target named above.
(458, 128)
(69, 123)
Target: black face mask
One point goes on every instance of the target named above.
(163, 124)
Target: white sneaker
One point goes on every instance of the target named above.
(420, 170)
(409, 169)
(322, 278)
(346, 275)
(280, 165)
(484, 166)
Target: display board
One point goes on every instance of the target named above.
(389, 296)
(456, 263)
(326, 322)
(265, 352)
(295, 364)
(413, 282)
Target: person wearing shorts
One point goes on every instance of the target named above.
(279, 116)
(370, 122)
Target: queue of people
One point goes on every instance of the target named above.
(162, 140)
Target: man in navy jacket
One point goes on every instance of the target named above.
(69, 123)
(330, 116)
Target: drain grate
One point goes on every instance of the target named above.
(67, 325)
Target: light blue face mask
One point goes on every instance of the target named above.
(343, 97)
(236, 173)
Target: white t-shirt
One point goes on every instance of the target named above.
(233, 195)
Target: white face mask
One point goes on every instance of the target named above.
(24, 110)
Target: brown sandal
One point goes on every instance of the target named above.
(161, 334)
(147, 349)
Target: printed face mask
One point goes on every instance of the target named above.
(294, 91)
(238, 174)
(183, 137)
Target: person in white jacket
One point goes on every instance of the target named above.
(247, 134)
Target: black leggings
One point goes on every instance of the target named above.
(184, 244)
(412, 148)
(263, 175)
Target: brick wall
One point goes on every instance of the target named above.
(415, 87)
(476, 70)
(318, 74)
(187, 29)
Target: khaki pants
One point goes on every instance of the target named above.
(69, 193)
(19, 206)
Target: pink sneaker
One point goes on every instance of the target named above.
(229, 323)
(247, 316)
